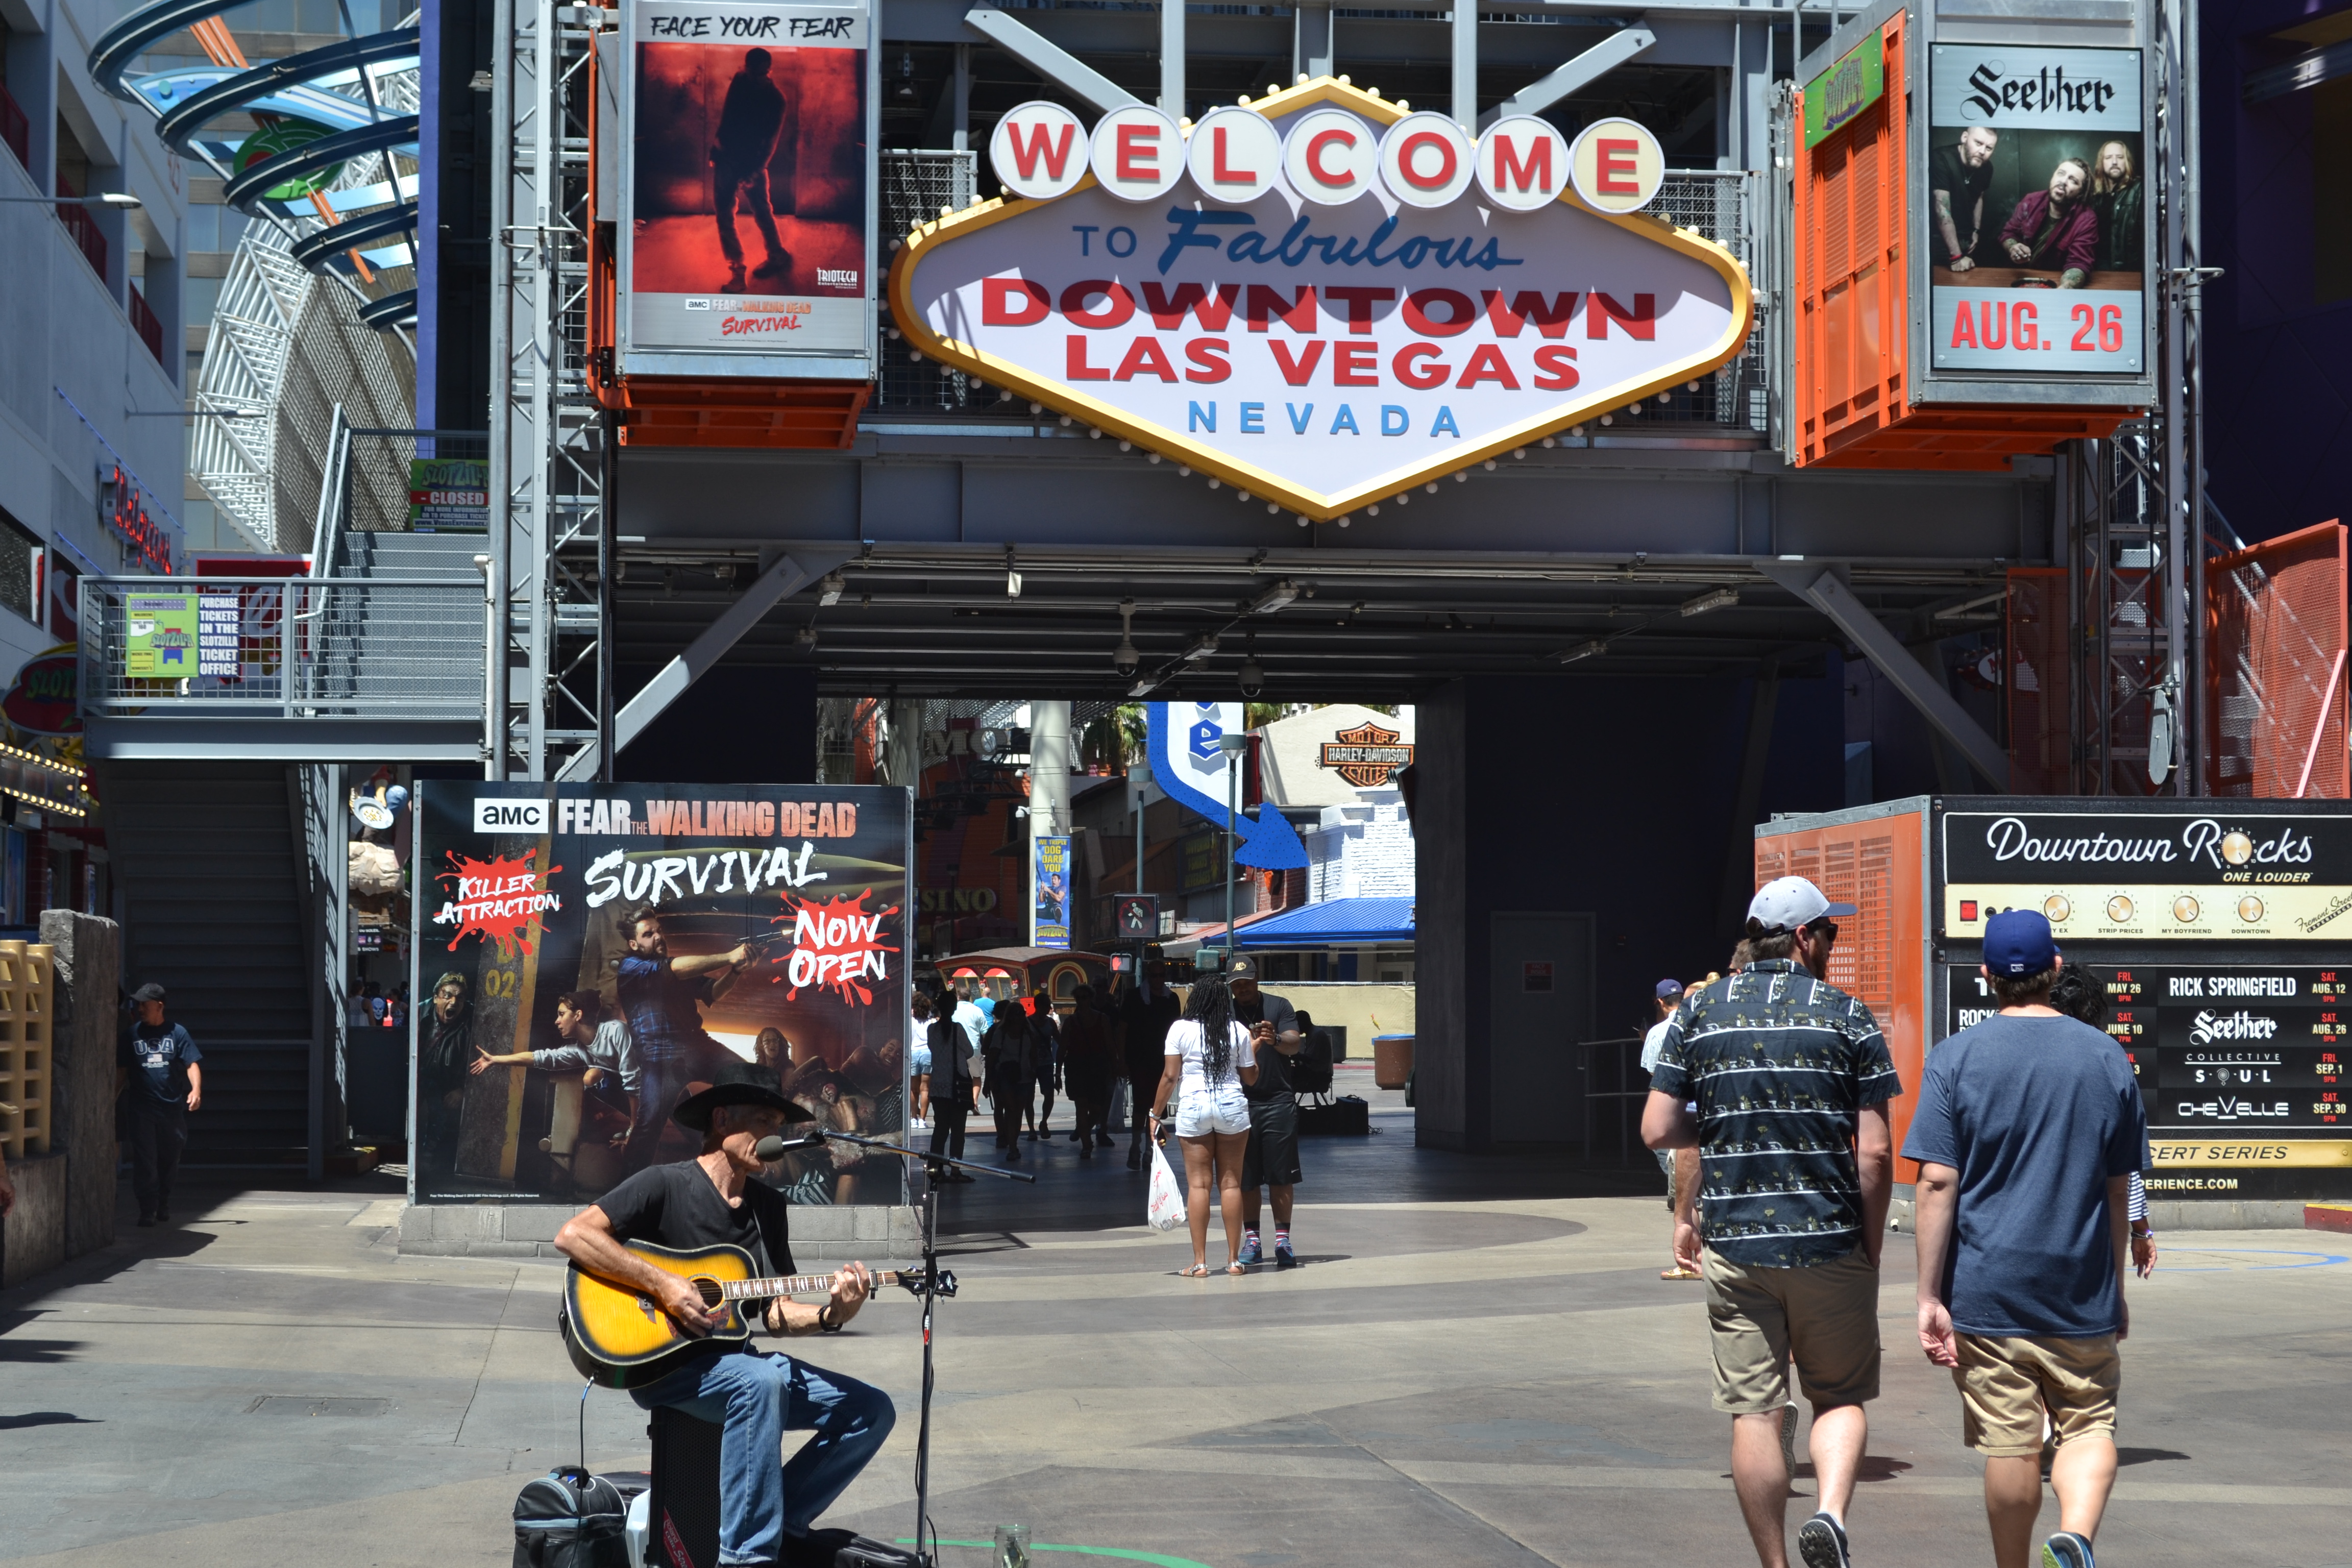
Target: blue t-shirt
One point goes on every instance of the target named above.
(2035, 1114)
(159, 1057)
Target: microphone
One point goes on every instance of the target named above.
(775, 1145)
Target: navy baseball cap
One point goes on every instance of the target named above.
(2018, 943)
(1669, 989)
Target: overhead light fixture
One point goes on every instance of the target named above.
(1145, 687)
(1203, 647)
(1274, 598)
(1582, 651)
(905, 91)
(829, 588)
(1013, 584)
(1716, 600)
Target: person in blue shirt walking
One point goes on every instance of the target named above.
(161, 1077)
(2029, 1130)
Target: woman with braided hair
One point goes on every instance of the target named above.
(1209, 1062)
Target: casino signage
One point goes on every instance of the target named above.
(1324, 299)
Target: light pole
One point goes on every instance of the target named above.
(1233, 746)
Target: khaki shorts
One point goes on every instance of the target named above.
(1825, 1317)
(2006, 1384)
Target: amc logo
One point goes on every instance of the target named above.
(493, 815)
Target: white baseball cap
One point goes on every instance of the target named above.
(1787, 902)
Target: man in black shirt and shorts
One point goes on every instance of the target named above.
(765, 1511)
(1272, 1158)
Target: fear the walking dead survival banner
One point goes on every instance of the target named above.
(586, 952)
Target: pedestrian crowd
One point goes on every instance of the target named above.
(1769, 1107)
(1220, 1070)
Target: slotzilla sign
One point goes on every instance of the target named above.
(1322, 299)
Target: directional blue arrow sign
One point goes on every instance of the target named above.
(1187, 763)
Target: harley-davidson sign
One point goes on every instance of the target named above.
(1322, 299)
(1366, 755)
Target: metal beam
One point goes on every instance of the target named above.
(1048, 60)
(1466, 64)
(1172, 59)
(1591, 66)
(787, 575)
(1926, 689)
(1310, 53)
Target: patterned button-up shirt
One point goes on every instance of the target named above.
(1781, 1064)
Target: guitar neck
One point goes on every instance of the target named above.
(791, 1285)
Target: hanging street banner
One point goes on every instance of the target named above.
(1321, 299)
(1049, 924)
(1186, 761)
(746, 233)
(587, 953)
(2037, 237)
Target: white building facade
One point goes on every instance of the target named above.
(1337, 760)
(92, 432)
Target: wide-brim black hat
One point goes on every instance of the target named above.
(735, 1083)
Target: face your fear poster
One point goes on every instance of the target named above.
(587, 954)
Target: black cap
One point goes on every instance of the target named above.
(151, 992)
(735, 1083)
(1241, 969)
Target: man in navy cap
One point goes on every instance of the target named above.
(2029, 1129)
(1792, 1078)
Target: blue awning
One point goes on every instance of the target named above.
(1334, 923)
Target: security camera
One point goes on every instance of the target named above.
(1126, 658)
(1253, 677)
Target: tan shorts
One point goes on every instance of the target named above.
(1825, 1317)
(2006, 1384)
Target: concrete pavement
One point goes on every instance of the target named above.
(1453, 1379)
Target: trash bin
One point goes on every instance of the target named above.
(1392, 1060)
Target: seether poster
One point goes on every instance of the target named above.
(587, 954)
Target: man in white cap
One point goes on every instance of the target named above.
(1790, 1077)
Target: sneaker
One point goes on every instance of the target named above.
(780, 262)
(1283, 1257)
(1820, 1541)
(1135, 1159)
(1250, 1255)
(2066, 1550)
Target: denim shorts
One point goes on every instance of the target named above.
(920, 1061)
(1222, 1110)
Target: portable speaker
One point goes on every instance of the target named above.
(685, 1516)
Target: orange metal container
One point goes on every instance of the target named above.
(1854, 385)
(1875, 859)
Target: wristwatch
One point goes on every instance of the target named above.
(824, 1324)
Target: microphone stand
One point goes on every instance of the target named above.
(933, 1165)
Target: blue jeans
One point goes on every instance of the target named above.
(756, 1397)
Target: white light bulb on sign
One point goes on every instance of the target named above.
(1617, 166)
(1138, 153)
(1234, 154)
(1522, 164)
(1038, 151)
(1330, 156)
(1426, 160)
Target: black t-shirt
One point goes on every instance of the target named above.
(1273, 1067)
(678, 1205)
(1965, 185)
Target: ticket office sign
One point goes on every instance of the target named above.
(746, 242)
(2035, 218)
(2242, 1071)
(2157, 876)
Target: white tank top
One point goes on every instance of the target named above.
(1186, 1039)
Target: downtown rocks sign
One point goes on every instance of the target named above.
(1323, 299)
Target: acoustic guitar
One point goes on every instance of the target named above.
(620, 1338)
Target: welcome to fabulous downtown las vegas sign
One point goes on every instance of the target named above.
(1320, 298)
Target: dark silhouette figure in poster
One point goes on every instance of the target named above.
(749, 123)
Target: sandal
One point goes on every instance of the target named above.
(1235, 1267)
(1198, 1271)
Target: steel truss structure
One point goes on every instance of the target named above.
(2135, 510)
(550, 695)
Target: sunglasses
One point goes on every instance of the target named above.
(1825, 929)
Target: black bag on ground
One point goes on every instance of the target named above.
(1346, 1117)
(570, 1519)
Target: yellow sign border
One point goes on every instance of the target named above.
(1112, 420)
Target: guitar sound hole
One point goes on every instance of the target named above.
(711, 1294)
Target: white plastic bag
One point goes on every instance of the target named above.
(1166, 1210)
